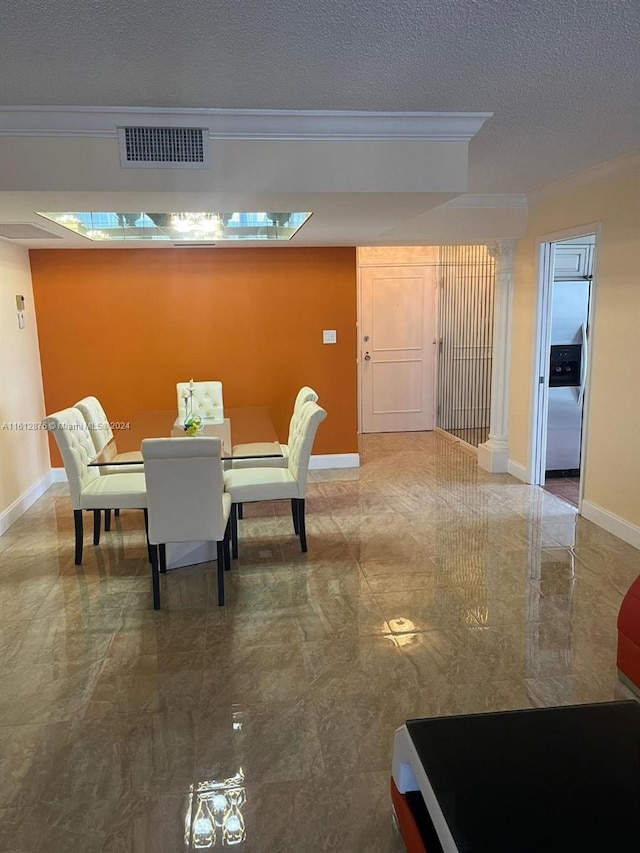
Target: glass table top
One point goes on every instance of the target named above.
(240, 426)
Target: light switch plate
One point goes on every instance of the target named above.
(329, 336)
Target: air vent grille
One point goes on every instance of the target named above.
(164, 147)
(25, 231)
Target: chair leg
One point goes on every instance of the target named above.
(234, 531)
(227, 552)
(155, 577)
(294, 515)
(107, 520)
(77, 523)
(163, 558)
(150, 548)
(301, 525)
(220, 567)
(240, 515)
(97, 519)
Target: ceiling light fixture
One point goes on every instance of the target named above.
(197, 223)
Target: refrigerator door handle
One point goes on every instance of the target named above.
(583, 363)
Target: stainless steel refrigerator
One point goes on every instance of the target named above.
(567, 374)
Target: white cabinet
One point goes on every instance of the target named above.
(573, 261)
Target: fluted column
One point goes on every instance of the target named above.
(493, 455)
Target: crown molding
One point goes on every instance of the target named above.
(510, 201)
(312, 125)
(608, 170)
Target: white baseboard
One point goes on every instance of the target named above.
(22, 504)
(317, 462)
(469, 448)
(444, 433)
(621, 528)
(335, 460)
(517, 470)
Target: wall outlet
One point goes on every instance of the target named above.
(329, 336)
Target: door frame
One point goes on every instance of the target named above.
(436, 303)
(544, 253)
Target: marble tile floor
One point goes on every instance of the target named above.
(430, 587)
(567, 488)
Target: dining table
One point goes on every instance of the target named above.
(243, 425)
(251, 425)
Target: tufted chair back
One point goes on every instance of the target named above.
(96, 419)
(207, 400)
(76, 448)
(185, 486)
(304, 395)
(311, 416)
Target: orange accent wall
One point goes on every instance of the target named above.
(126, 324)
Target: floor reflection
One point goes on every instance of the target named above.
(214, 815)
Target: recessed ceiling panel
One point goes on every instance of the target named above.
(184, 226)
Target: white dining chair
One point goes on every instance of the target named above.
(186, 500)
(246, 485)
(101, 434)
(200, 398)
(258, 452)
(88, 489)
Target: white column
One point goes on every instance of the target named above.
(493, 455)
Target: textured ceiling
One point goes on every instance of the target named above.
(561, 76)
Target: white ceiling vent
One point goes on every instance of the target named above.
(164, 147)
(25, 231)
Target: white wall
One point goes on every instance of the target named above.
(24, 453)
(612, 447)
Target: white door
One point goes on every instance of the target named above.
(397, 347)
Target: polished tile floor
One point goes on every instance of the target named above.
(567, 488)
(430, 587)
